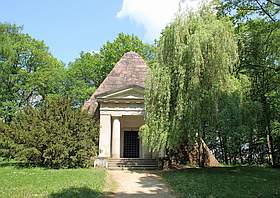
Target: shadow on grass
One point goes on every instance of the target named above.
(225, 182)
(82, 192)
(239, 173)
(85, 192)
(229, 170)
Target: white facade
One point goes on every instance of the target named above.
(121, 116)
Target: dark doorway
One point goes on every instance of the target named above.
(131, 144)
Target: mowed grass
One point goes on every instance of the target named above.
(39, 182)
(225, 182)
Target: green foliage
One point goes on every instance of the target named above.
(259, 59)
(81, 77)
(196, 53)
(198, 87)
(53, 135)
(27, 71)
(243, 10)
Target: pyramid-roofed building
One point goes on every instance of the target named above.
(119, 104)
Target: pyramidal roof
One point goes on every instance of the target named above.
(131, 70)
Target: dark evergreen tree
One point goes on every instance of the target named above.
(52, 135)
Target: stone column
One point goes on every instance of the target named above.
(105, 136)
(116, 137)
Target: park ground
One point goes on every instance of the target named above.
(19, 181)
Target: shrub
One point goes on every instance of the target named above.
(54, 135)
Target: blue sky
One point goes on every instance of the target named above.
(71, 26)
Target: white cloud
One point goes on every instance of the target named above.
(154, 15)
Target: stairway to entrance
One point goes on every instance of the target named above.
(132, 164)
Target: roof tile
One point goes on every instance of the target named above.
(130, 70)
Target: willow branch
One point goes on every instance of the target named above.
(277, 4)
(262, 8)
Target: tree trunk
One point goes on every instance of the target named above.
(221, 145)
(225, 151)
(250, 156)
(240, 154)
(270, 149)
(200, 152)
(267, 128)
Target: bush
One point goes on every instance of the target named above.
(54, 135)
(8, 148)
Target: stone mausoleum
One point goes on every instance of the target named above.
(119, 104)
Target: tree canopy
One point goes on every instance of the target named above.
(217, 81)
(28, 71)
(195, 55)
(243, 10)
(257, 31)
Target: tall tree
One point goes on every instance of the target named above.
(257, 28)
(259, 59)
(81, 78)
(242, 10)
(196, 53)
(28, 72)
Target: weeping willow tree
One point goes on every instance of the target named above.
(196, 53)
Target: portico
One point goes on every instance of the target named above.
(121, 116)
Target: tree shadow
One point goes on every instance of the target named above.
(226, 181)
(151, 185)
(85, 192)
(137, 195)
(82, 192)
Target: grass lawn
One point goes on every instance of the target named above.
(225, 182)
(40, 182)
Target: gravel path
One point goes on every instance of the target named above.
(134, 184)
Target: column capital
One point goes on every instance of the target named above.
(116, 117)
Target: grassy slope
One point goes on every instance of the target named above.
(225, 182)
(40, 182)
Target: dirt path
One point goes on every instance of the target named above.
(134, 184)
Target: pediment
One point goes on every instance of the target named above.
(132, 92)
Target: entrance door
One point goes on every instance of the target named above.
(131, 144)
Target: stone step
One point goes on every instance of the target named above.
(133, 164)
(132, 159)
(134, 168)
(122, 165)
